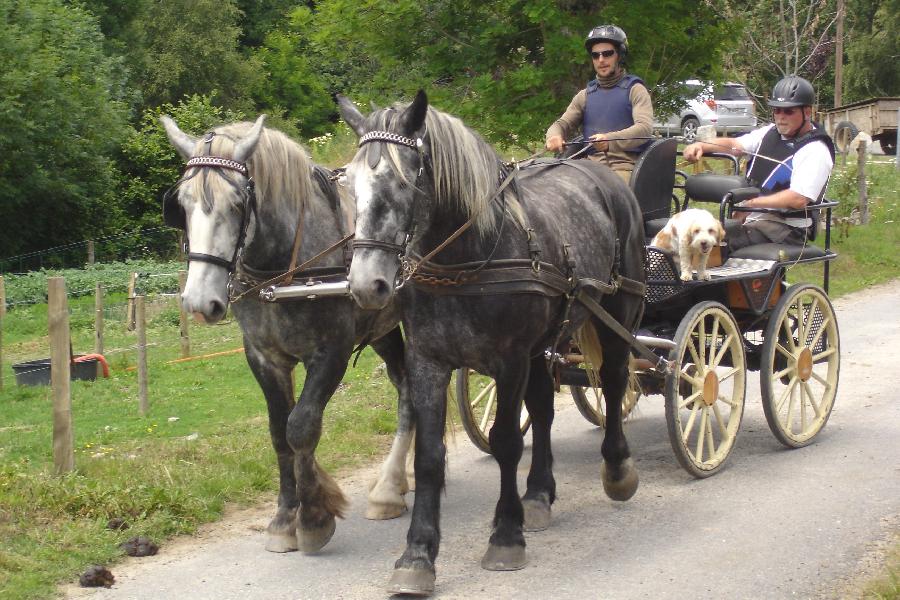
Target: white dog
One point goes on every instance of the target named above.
(690, 235)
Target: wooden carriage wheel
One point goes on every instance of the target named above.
(705, 388)
(800, 364)
(589, 402)
(476, 398)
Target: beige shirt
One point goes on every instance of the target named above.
(618, 157)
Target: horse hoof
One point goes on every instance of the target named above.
(414, 582)
(281, 542)
(622, 484)
(537, 515)
(313, 540)
(504, 558)
(382, 511)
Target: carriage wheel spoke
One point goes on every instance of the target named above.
(819, 333)
(710, 442)
(693, 350)
(801, 394)
(721, 354)
(810, 320)
(694, 381)
(821, 380)
(701, 435)
(782, 373)
(785, 352)
(729, 374)
(790, 408)
(812, 400)
(701, 341)
(713, 335)
(690, 424)
(720, 421)
(784, 395)
(695, 396)
(788, 333)
(824, 354)
(734, 404)
(487, 411)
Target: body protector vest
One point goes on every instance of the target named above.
(609, 109)
(771, 176)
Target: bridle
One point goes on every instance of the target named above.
(173, 214)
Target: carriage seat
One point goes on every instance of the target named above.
(652, 182)
(779, 252)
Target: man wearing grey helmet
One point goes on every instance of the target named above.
(791, 163)
(614, 110)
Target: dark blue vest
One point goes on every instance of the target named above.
(609, 109)
(771, 176)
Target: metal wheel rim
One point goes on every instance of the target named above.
(689, 131)
(703, 426)
(797, 397)
(478, 413)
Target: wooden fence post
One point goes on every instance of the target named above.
(861, 181)
(2, 318)
(141, 326)
(90, 252)
(98, 325)
(129, 307)
(60, 372)
(183, 317)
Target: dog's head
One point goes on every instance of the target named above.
(705, 233)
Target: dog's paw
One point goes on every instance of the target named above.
(687, 276)
(705, 276)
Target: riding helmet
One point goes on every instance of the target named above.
(792, 91)
(608, 33)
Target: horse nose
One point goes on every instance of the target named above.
(373, 294)
(216, 311)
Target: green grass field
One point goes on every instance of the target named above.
(204, 442)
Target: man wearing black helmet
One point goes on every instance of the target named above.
(791, 161)
(614, 110)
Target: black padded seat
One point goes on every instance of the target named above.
(653, 179)
(654, 226)
(712, 187)
(778, 252)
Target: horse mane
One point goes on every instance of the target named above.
(281, 169)
(467, 170)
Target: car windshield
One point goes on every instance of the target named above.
(731, 92)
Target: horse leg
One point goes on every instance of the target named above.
(506, 550)
(386, 493)
(321, 500)
(414, 571)
(277, 387)
(541, 486)
(619, 475)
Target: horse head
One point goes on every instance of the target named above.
(387, 177)
(214, 203)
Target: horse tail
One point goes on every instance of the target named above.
(588, 342)
(333, 499)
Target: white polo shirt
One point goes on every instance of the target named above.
(810, 169)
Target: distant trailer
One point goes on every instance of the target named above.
(875, 116)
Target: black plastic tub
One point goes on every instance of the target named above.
(37, 372)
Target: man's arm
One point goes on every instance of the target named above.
(569, 122)
(725, 145)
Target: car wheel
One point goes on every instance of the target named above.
(689, 129)
(844, 133)
(888, 146)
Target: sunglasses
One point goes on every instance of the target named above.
(603, 53)
(784, 111)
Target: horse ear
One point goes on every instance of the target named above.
(183, 143)
(245, 147)
(351, 114)
(413, 117)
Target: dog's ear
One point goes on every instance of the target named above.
(720, 231)
(662, 239)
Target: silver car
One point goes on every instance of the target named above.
(727, 107)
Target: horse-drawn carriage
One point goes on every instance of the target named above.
(745, 318)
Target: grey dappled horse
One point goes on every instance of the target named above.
(240, 201)
(418, 176)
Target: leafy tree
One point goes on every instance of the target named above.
(873, 49)
(183, 47)
(293, 87)
(509, 66)
(61, 118)
(152, 162)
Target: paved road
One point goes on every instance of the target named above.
(775, 523)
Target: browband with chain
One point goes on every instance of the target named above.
(218, 161)
(387, 136)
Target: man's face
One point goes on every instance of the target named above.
(604, 65)
(789, 120)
